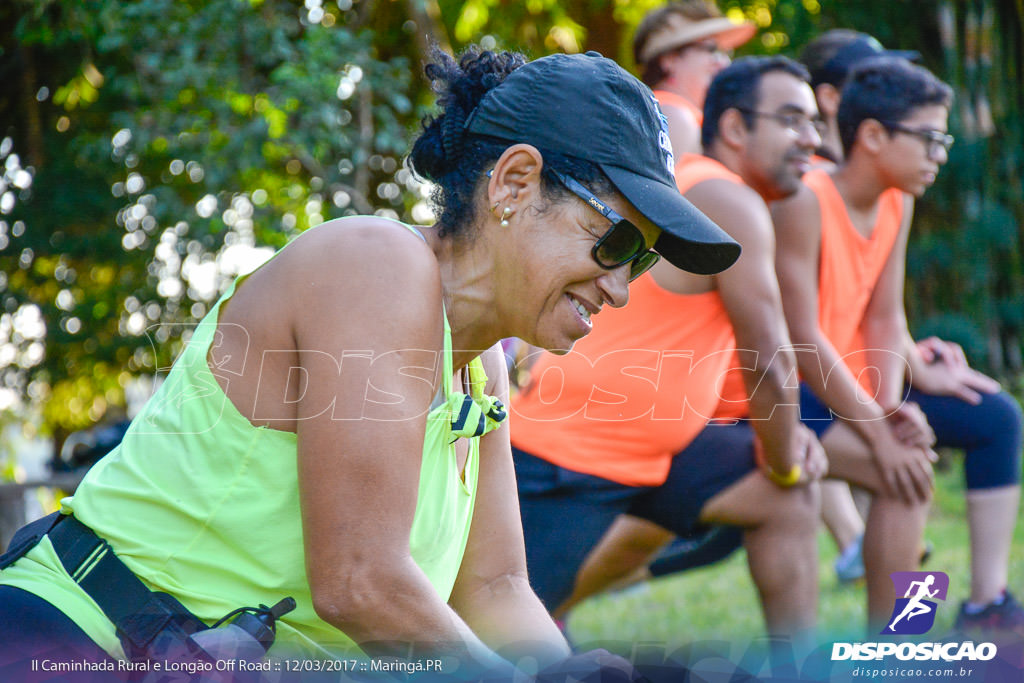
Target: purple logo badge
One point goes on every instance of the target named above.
(914, 613)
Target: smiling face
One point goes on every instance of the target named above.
(560, 285)
(912, 161)
(779, 147)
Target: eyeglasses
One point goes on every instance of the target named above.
(792, 120)
(932, 139)
(622, 243)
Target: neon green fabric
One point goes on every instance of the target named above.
(201, 504)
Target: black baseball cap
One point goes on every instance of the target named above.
(589, 107)
(861, 46)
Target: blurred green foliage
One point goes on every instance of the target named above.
(148, 149)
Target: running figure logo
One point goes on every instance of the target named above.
(914, 613)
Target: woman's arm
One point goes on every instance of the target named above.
(361, 432)
(492, 592)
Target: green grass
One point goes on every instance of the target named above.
(720, 602)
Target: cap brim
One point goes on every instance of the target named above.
(739, 34)
(689, 239)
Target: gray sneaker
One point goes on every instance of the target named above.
(850, 563)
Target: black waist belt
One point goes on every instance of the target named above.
(146, 621)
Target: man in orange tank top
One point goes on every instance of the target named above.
(842, 245)
(585, 445)
(679, 48)
(830, 58)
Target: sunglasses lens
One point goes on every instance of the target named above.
(624, 243)
(621, 243)
(641, 264)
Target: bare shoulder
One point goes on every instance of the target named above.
(353, 278)
(736, 208)
(678, 115)
(799, 213)
(359, 245)
(683, 129)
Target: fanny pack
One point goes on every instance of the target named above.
(149, 624)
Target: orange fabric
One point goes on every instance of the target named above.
(696, 168)
(670, 99)
(850, 265)
(632, 393)
(824, 163)
(691, 170)
(734, 404)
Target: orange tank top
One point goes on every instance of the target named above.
(671, 99)
(850, 264)
(632, 393)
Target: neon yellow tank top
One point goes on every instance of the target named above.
(203, 505)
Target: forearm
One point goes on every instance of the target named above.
(832, 382)
(775, 410)
(887, 343)
(388, 608)
(508, 616)
(917, 365)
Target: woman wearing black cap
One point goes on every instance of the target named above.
(331, 434)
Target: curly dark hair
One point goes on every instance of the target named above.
(456, 161)
(887, 89)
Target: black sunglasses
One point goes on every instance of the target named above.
(622, 243)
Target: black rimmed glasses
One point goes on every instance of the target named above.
(622, 243)
(933, 139)
(795, 121)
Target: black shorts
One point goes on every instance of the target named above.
(565, 513)
(33, 630)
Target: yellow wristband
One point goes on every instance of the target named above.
(785, 480)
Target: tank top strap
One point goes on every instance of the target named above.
(471, 415)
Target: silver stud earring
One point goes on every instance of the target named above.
(505, 213)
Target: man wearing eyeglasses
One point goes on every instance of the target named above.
(619, 425)
(842, 246)
(966, 409)
(830, 57)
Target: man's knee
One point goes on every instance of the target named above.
(895, 497)
(800, 507)
(756, 502)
